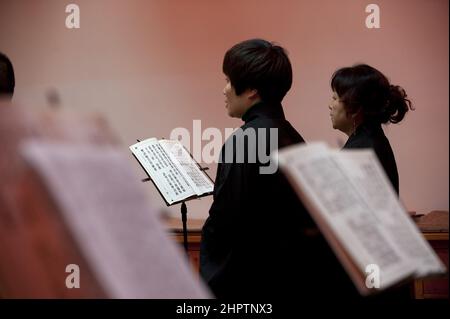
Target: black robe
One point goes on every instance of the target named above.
(372, 136)
(246, 240)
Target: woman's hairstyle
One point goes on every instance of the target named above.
(261, 65)
(364, 88)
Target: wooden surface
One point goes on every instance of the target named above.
(194, 227)
(434, 227)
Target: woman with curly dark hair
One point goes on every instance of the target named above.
(363, 99)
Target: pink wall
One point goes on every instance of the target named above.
(151, 66)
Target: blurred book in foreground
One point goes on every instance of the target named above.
(358, 212)
(69, 198)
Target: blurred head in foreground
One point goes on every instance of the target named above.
(7, 80)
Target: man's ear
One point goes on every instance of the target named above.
(252, 94)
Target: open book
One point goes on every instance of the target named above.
(172, 169)
(357, 210)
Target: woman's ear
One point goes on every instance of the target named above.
(350, 115)
(355, 114)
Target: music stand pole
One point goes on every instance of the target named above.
(184, 220)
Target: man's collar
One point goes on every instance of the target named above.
(264, 109)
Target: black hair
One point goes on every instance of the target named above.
(7, 80)
(362, 87)
(261, 65)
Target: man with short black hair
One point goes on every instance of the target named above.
(247, 238)
(7, 81)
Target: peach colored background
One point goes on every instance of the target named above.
(151, 66)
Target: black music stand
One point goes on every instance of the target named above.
(183, 208)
